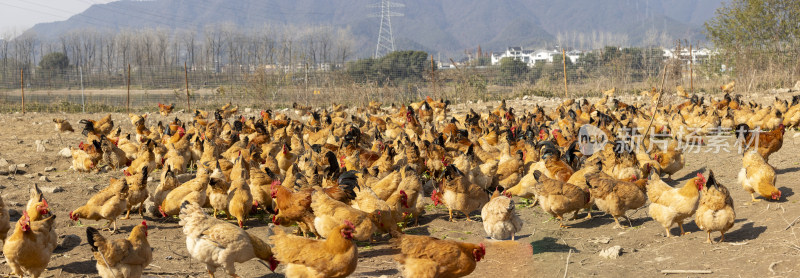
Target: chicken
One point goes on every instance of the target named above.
(81, 161)
(220, 244)
(193, 191)
(457, 194)
(671, 160)
(164, 109)
(333, 257)
(113, 155)
(240, 200)
(670, 205)
(93, 129)
(62, 125)
(292, 207)
(500, 219)
(379, 210)
(28, 249)
(616, 197)
(766, 142)
(145, 158)
(330, 213)
(167, 183)
(759, 177)
(107, 204)
(715, 212)
(727, 88)
(557, 197)
(137, 191)
(218, 195)
(121, 258)
(510, 171)
(429, 257)
(4, 218)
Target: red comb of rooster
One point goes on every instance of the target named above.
(348, 223)
(144, 223)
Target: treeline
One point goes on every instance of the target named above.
(222, 48)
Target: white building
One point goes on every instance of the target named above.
(697, 55)
(530, 57)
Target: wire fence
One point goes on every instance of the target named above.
(74, 89)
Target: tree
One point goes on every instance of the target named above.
(755, 23)
(395, 66)
(55, 62)
(512, 69)
(756, 35)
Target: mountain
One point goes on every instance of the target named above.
(445, 26)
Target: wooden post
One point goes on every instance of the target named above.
(691, 70)
(186, 76)
(433, 77)
(129, 89)
(564, 63)
(22, 87)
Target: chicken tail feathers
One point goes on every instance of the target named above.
(94, 238)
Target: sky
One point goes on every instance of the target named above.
(16, 16)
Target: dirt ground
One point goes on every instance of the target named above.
(761, 243)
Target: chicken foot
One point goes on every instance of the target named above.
(561, 224)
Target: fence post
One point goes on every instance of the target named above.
(129, 89)
(22, 87)
(83, 98)
(186, 77)
(433, 78)
(691, 70)
(564, 63)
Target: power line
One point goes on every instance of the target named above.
(385, 37)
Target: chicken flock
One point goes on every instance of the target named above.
(343, 174)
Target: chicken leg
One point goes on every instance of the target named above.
(666, 230)
(722, 237)
(680, 224)
(561, 224)
(127, 215)
(450, 211)
(618, 226)
(709, 237)
(753, 197)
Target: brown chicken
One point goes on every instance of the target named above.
(329, 213)
(62, 125)
(4, 218)
(121, 257)
(292, 207)
(333, 257)
(167, 183)
(429, 257)
(164, 109)
(759, 177)
(616, 197)
(107, 204)
(94, 130)
(28, 249)
(193, 191)
(767, 142)
(670, 205)
(558, 198)
(240, 200)
(715, 212)
(137, 191)
(220, 244)
(457, 194)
